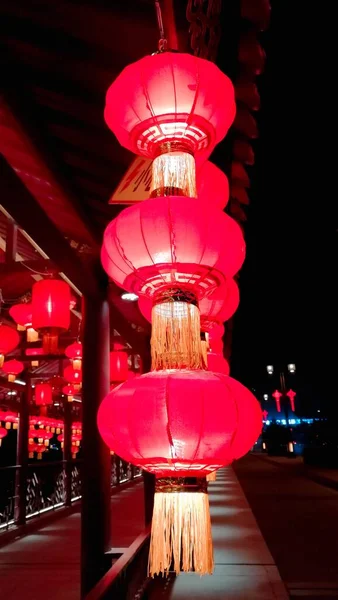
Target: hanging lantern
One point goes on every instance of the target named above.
(277, 396)
(9, 339)
(31, 352)
(32, 447)
(217, 363)
(50, 310)
(118, 361)
(3, 433)
(43, 394)
(179, 425)
(77, 427)
(74, 377)
(74, 352)
(11, 420)
(291, 395)
(69, 391)
(174, 244)
(12, 368)
(74, 451)
(22, 315)
(40, 449)
(212, 185)
(170, 98)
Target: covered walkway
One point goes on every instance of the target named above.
(244, 568)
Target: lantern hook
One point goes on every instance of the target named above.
(162, 44)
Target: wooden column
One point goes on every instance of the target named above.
(67, 452)
(95, 473)
(22, 455)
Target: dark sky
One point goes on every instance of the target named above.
(288, 303)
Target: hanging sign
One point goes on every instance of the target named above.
(135, 184)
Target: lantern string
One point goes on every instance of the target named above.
(162, 44)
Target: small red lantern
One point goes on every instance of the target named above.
(74, 352)
(118, 360)
(212, 185)
(32, 447)
(170, 98)
(77, 427)
(3, 433)
(12, 368)
(75, 450)
(11, 419)
(277, 395)
(217, 363)
(291, 394)
(73, 376)
(43, 394)
(9, 339)
(22, 315)
(40, 449)
(69, 391)
(50, 310)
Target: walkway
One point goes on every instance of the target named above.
(299, 520)
(46, 564)
(244, 567)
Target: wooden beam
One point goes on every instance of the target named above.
(11, 242)
(22, 206)
(17, 266)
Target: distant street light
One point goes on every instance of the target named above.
(292, 367)
(269, 369)
(266, 397)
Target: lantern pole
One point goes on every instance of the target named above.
(96, 467)
(22, 455)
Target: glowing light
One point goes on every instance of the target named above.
(129, 297)
(269, 369)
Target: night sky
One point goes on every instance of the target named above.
(288, 303)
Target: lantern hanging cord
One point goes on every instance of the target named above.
(162, 44)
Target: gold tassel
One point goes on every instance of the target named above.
(173, 172)
(21, 327)
(34, 363)
(175, 334)
(77, 364)
(212, 476)
(32, 335)
(181, 529)
(2, 358)
(50, 343)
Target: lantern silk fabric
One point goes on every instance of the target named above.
(172, 241)
(180, 423)
(170, 97)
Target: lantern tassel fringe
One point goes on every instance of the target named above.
(176, 340)
(212, 476)
(181, 534)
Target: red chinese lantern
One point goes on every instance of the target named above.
(69, 391)
(291, 394)
(12, 368)
(43, 394)
(32, 447)
(173, 243)
(74, 451)
(277, 396)
(3, 433)
(74, 352)
(179, 424)
(22, 315)
(170, 98)
(50, 311)
(77, 427)
(212, 186)
(9, 339)
(74, 377)
(118, 360)
(217, 363)
(40, 449)
(34, 352)
(11, 419)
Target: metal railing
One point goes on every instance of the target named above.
(46, 489)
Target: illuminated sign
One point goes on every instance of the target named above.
(135, 184)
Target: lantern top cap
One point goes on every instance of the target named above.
(170, 96)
